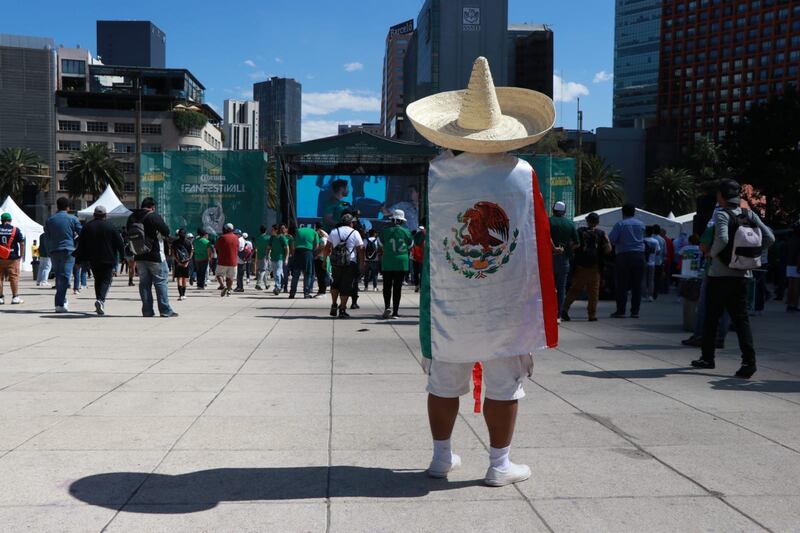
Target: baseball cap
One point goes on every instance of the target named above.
(729, 189)
(560, 207)
(229, 226)
(347, 218)
(100, 210)
(245, 235)
(6, 217)
(238, 231)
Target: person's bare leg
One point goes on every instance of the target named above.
(344, 300)
(334, 296)
(442, 413)
(500, 417)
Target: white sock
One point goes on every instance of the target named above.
(442, 451)
(498, 458)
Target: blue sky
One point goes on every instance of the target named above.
(334, 48)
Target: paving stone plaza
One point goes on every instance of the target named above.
(259, 413)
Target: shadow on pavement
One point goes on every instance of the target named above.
(776, 385)
(645, 373)
(199, 491)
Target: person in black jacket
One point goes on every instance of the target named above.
(100, 245)
(152, 265)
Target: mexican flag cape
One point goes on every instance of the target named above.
(488, 289)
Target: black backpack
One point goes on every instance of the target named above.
(372, 249)
(588, 254)
(340, 257)
(137, 238)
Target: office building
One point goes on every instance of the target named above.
(27, 85)
(636, 47)
(102, 109)
(240, 125)
(392, 102)
(131, 43)
(530, 57)
(368, 127)
(720, 59)
(450, 34)
(280, 107)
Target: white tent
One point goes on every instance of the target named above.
(687, 222)
(112, 204)
(612, 215)
(30, 229)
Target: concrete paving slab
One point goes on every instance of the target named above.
(778, 513)
(64, 518)
(287, 365)
(269, 404)
(266, 383)
(309, 432)
(16, 430)
(25, 403)
(72, 382)
(399, 432)
(130, 403)
(157, 382)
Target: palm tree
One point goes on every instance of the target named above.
(19, 167)
(601, 185)
(671, 190)
(91, 170)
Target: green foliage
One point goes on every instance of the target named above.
(765, 153)
(601, 185)
(707, 161)
(19, 167)
(550, 143)
(671, 190)
(186, 121)
(91, 170)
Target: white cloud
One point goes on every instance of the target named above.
(602, 76)
(331, 102)
(278, 60)
(317, 129)
(259, 75)
(354, 66)
(567, 91)
(250, 63)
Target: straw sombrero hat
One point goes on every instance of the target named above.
(483, 119)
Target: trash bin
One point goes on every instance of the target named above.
(689, 290)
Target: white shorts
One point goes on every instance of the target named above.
(502, 378)
(792, 272)
(226, 272)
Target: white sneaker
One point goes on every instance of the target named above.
(45, 285)
(500, 478)
(62, 309)
(440, 469)
(2, 300)
(17, 300)
(99, 307)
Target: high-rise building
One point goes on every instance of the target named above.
(392, 103)
(718, 59)
(27, 85)
(280, 107)
(636, 44)
(240, 124)
(530, 57)
(368, 127)
(131, 43)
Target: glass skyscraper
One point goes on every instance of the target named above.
(280, 105)
(636, 50)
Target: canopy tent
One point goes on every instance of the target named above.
(612, 215)
(687, 222)
(112, 204)
(31, 230)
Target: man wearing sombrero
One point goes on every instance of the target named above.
(488, 293)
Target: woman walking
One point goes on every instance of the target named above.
(182, 252)
(397, 241)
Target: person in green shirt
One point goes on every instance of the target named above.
(202, 248)
(278, 254)
(336, 205)
(261, 245)
(396, 243)
(564, 236)
(306, 243)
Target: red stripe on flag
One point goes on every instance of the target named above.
(477, 382)
(546, 278)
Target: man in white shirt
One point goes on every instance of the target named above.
(347, 262)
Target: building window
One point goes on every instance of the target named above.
(151, 147)
(69, 125)
(151, 129)
(64, 164)
(73, 66)
(130, 186)
(188, 148)
(193, 132)
(127, 166)
(69, 146)
(124, 127)
(124, 148)
(62, 185)
(97, 126)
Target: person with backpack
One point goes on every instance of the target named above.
(739, 238)
(182, 253)
(202, 252)
(147, 234)
(652, 252)
(564, 237)
(345, 249)
(240, 261)
(593, 245)
(397, 241)
(306, 242)
(372, 255)
(99, 246)
(60, 232)
(12, 253)
(227, 247)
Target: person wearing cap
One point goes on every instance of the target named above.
(344, 276)
(99, 246)
(182, 253)
(202, 254)
(396, 243)
(564, 236)
(593, 245)
(627, 238)
(727, 287)
(410, 207)
(306, 243)
(227, 247)
(240, 261)
(488, 291)
(60, 232)
(12, 253)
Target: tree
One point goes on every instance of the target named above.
(91, 170)
(707, 161)
(550, 143)
(765, 153)
(601, 185)
(671, 190)
(19, 167)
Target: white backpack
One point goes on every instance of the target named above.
(744, 242)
